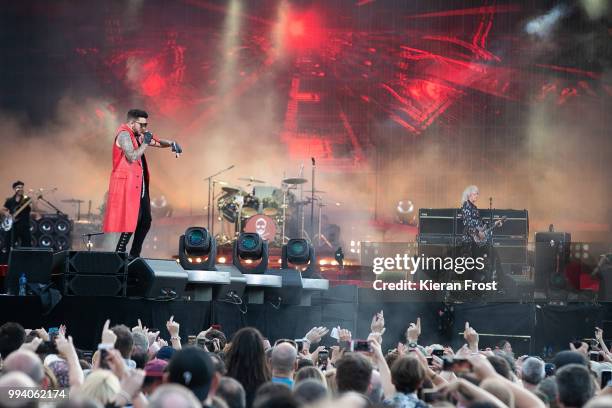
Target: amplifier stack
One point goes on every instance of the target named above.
(441, 232)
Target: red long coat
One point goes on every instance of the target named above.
(124, 189)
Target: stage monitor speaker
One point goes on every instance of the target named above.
(92, 273)
(97, 263)
(95, 285)
(36, 263)
(552, 253)
(156, 279)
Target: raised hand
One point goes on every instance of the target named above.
(344, 334)
(42, 333)
(65, 346)
(108, 336)
(315, 334)
(147, 137)
(173, 327)
(33, 345)
(176, 148)
(414, 331)
(378, 323)
(471, 337)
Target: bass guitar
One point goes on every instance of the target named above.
(7, 221)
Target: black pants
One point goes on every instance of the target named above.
(142, 228)
(20, 234)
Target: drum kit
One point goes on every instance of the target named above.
(257, 207)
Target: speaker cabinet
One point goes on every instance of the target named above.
(38, 264)
(552, 253)
(156, 279)
(95, 285)
(96, 274)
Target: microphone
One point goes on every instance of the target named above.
(313, 160)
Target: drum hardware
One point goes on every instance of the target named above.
(251, 180)
(78, 205)
(209, 219)
(295, 181)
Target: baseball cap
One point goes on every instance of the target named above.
(193, 368)
(155, 367)
(165, 353)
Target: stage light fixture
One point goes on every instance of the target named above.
(197, 249)
(250, 249)
(299, 252)
(405, 212)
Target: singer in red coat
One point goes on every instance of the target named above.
(128, 208)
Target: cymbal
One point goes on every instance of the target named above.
(73, 201)
(295, 180)
(231, 189)
(316, 191)
(251, 180)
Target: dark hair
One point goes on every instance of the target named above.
(309, 391)
(217, 334)
(502, 343)
(304, 362)
(12, 336)
(232, 392)
(306, 373)
(125, 341)
(18, 183)
(218, 363)
(575, 385)
(407, 374)
(353, 373)
(246, 362)
(134, 114)
(501, 366)
(140, 358)
(271, 395)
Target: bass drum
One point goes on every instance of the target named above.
(263, 225)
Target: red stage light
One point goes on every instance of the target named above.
(296, 28)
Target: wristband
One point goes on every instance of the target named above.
(175, 338)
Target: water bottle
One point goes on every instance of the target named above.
(23, 281)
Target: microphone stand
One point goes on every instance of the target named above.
(312, 199)
(89, 243)
(210, 197)
(44, 200)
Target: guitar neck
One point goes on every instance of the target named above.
(23, 207)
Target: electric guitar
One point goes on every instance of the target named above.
(7, 222)
(487, 232)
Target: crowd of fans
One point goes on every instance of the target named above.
(137, 367)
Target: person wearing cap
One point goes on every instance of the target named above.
(154, 375)
(193, 368)
(20, 231)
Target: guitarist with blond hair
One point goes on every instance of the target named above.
(16, 217)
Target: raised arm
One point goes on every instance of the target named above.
(125, 143)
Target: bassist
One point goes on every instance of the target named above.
(20, 231)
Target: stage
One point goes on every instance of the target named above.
(535, 325)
